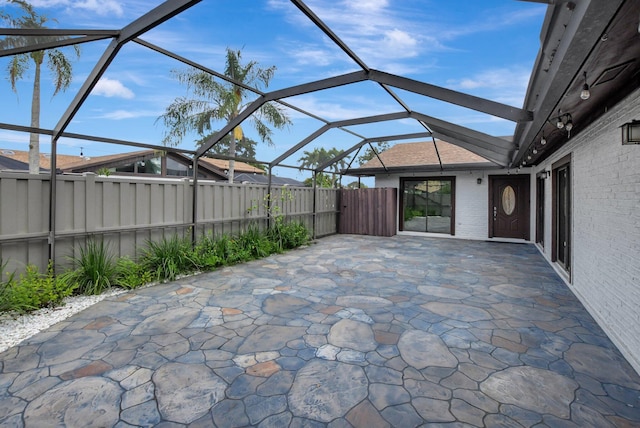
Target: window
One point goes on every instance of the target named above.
(428, 205)
(175, 168)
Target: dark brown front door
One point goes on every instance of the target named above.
(509, 206)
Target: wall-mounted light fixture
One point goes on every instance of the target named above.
(631, 132)
(543, 140)
(585, 94)
(479, 180)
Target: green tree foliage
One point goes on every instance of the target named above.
(59, 65)
(318, 156)
(245, 148)
(209, 101)
(368, 154)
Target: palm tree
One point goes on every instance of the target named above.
(315, 158)
(214, 101)
(57, 62)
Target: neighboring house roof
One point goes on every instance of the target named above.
(45, 159)
(79, 164)
(422, 156)
(15, 160)
(238, 167)
(264, 179)
(6, 163)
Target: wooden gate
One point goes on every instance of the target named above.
(368, 211)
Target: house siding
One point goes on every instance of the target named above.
(605, 270)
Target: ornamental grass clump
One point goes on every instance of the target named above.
(95, 269)
(169, 258)
(255, 244)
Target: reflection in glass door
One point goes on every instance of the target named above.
(427, 205)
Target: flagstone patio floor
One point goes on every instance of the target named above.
(351, 331)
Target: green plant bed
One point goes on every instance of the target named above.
(168, 258)
(96, 269)
(32, 290)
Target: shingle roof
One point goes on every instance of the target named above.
(264, 179)
(238, 167)
(70, 162)
(424, 154)
(7, 163)
(45, 159)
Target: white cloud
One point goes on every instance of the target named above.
(333, 111)
(507, 85)
(14, 137)
(101, 7)
(128, 114)
(112, 88)
(313, 56)
(400, 42)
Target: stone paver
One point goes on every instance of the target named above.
(351, 331)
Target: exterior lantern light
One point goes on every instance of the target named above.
(631, 132)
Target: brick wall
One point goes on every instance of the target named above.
(472, 200)
(606, 225)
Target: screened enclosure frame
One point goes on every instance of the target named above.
(548, 88)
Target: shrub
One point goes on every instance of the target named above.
(255, 243)
(168, 258)
(294, 235)
(288, 235)
(5, 287)
(131, 274)
(33, 290)
(205, 256)
(96, 269)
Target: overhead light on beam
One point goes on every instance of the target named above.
(585, 94)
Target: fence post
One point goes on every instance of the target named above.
(89, 201)
(194, 201)
(315, 205)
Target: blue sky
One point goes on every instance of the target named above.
(485, 48)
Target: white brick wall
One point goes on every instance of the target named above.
(472, 200)
(605, 221)
(606, 225)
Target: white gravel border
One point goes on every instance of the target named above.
(15, 328)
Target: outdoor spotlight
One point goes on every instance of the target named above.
(585, 94)
(559, 123)
(535, 151)
(543, 140)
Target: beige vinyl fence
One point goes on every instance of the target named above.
(129, 211)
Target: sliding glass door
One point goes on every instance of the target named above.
(428, 205)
